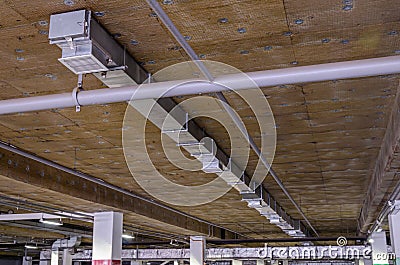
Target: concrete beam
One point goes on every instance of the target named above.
(384, 172)
(56, 232)
(20, 168)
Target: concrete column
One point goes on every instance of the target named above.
(260, 262)
(237, 262)
(67, 257)
(379, 248)
(26, 260)
(359, 261)
(394, 224)
(55, 257)
(197, 250)
(43, 259)
(107, 238)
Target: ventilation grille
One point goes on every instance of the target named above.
(83, 64)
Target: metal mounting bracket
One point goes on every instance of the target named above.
(76, 91)
(75, 98)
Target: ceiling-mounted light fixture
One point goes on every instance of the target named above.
(31, 246)
(9, 243)
(126, 235)
(51, 222)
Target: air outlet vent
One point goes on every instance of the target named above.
(83, 64)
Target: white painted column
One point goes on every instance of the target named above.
(43, 259)
(67, 258)
(260, 262)
(359, 261)
(197, 250)
(26, 260)
(379, 248)
(237, 262)
(394, 224)
(107, 238)
(55, 257)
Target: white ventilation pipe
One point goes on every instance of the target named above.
(67, 243)
(301, 74)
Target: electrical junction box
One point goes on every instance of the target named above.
(73, 25)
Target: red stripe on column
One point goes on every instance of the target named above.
(106, 262)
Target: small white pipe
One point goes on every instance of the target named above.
(301, 74)
(28, 216)
(179, 37)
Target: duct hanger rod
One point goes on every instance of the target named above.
(293, 75)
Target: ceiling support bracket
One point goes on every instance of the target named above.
(75, 92)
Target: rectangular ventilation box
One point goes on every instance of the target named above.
(81, 39)
(89, 48)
